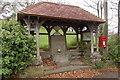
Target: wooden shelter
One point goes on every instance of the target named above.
(59, 16)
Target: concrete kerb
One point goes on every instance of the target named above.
(68, 70)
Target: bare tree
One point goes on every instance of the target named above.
(111, 18)
(119, 20)
(8, 10)
(98, 7)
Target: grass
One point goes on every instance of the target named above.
(43, 38)
(71, 39)
(86, 61)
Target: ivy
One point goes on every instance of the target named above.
(113, 49)
(18, 49)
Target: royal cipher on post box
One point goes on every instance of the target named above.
(102, 41)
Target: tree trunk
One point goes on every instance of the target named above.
(119, 20)
(106, 26)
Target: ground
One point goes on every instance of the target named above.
(74, 70)
(109, 72)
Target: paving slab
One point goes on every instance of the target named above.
(67, 69)
(37, 71)
(108, 74)
(76, 62)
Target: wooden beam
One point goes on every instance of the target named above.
(56, 23)
(70, 33)
(32, 32)
(41, 33)
(27, 22)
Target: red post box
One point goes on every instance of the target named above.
(102, 41)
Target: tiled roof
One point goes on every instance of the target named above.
(61, 11)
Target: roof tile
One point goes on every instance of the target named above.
(60, 11)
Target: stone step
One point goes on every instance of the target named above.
(76, 62)
(67, 69)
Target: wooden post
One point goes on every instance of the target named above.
(64, 28)
(37, 39)
(91, 28)
(49, 41)
(29, 25)
(97, 40)
(92, 41)
(49, 30)
(77, 40)
(65, 39)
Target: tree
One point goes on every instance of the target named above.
(105, 32)
(8, 10)
(119, 19)
(97, 7)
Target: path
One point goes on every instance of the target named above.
(33, 71)
(108, 74)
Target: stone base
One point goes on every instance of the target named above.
(61, 59)
(95, 57)
(38, 62)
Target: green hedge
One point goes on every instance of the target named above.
(18, 49)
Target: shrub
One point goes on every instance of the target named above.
(113, 54)
(87, 61)
(113, 49)
(18, 49)
(101, 65)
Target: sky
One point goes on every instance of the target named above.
(113, 23)
(112, 14)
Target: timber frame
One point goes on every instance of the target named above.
(34, 22)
